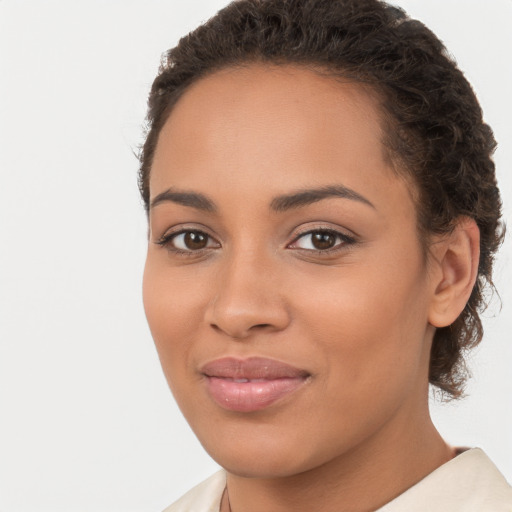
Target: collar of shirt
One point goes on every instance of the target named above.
(469, 482)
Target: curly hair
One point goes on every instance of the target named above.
(434, 132)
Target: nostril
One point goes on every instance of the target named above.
(239, 333)
(240, 320)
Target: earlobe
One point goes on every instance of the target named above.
(457, 258)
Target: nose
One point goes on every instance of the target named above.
(247, 299)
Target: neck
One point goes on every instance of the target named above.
(367, 478)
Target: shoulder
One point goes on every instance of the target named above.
(204, 497)
(468, 483)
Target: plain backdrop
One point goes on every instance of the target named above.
(86, 420)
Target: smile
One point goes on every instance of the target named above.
(247, 385)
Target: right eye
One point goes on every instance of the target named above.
(190, 240)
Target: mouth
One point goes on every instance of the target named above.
(247, 385)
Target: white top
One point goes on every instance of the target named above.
(469, 482)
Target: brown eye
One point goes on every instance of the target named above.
(189, 241)
(323, 240)
(195, 240)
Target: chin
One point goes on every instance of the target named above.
(266, 451)
(262, 464)
(257, 452)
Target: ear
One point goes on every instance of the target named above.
(456, 259)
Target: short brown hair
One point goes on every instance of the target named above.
(436, 135)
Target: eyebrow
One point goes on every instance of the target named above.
(280, 203)
(192, 199)
(309, 196)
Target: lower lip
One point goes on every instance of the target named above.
(253, 395)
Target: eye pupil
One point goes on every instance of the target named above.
(195, 240)
(323, 240)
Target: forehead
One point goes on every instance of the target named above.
(261, 98)
(247, 124)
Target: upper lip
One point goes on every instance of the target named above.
(251, 368)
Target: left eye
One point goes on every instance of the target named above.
(188, 241)
(320, 240)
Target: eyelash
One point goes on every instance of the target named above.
(346, 240)
(166, 241)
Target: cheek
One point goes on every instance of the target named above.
(367, 319)
(172, 302)
(370, 338)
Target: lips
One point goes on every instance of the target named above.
(247, 385)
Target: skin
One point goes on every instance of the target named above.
(359, 318)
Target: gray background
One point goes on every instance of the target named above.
(86, 420)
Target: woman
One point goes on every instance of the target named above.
(323, 216)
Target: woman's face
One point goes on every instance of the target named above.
(285, 284)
